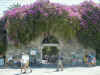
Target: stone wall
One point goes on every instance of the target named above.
(67, 49)
(73, 47)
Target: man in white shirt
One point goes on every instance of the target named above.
(25, 62)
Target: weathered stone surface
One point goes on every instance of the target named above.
(67, 49)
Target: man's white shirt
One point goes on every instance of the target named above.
(25, 58)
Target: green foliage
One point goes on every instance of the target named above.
(34, 24)
(50, 51)
(3, 40)
(2, 46)
(89, 34)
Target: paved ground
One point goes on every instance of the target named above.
(52, 71)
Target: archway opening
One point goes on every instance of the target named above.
(49, 54)
(50, 49)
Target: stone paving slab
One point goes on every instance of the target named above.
(52, 71)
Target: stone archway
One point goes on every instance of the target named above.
(49, 45)
(41, 45)
(67, 48)
(37, 43)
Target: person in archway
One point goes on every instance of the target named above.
(60, 63)
(46, 58)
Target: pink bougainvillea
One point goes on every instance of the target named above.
(74, 11)
(90, 15)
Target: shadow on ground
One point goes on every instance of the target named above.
(47, 66)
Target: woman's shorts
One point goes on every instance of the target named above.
(24, 64)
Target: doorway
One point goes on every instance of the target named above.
(49, 54)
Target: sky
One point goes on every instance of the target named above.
(4, 4)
